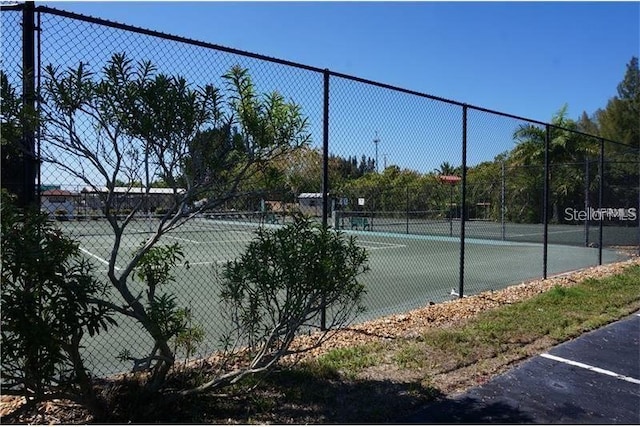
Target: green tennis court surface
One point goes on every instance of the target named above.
(436, 223)
(407, 271)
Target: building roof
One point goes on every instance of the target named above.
(58, 192)
(132, 190)
(310, 196)
(449, 179)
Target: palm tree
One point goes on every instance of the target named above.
(446, 169)
(568, 152)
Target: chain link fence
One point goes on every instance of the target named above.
(449, 199)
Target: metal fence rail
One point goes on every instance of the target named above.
(448, 197)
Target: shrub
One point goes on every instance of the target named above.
(285, 281)
(49, 301)
(176, 323)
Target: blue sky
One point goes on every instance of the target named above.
(519, 57)
(523, 58)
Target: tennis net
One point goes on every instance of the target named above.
(391, 219)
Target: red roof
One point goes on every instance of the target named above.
(449, 179)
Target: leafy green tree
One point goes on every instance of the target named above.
(619, 120)
(303, 171)
(155, 270)
(15, 119)
(148, 126)
(588, 124)
(366, 165)
(50, 300)
(12, 121)
(484, 189)
(446, 168)
(568, 151)
(341, 169)
(394, 191)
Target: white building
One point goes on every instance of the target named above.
(153, 199)
(58, 203)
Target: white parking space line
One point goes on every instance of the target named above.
(590, 368)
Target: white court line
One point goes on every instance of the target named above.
(377, 245)
(200, 242)
(183, 239)
(540, 233)
(590, 368)
(374, 248)
(102, 260)
(204, 263)
(228, 241)
(140, 230)
(217, 262)
(380, 243)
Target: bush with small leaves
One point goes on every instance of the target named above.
(174, 323)
(282, 284)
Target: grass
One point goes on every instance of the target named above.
(349, 361)
(555, 316)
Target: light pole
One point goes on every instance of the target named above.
(376, 140)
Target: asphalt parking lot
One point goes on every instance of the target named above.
(593, 379)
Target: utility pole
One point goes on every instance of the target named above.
(376, 140)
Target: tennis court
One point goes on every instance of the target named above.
(407, 271)
(436, 223)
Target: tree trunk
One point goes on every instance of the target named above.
(88, 397)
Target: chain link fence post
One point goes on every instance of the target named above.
(325, 174)
(463, 202)
(545, 202)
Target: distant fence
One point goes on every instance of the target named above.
(384, 154)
